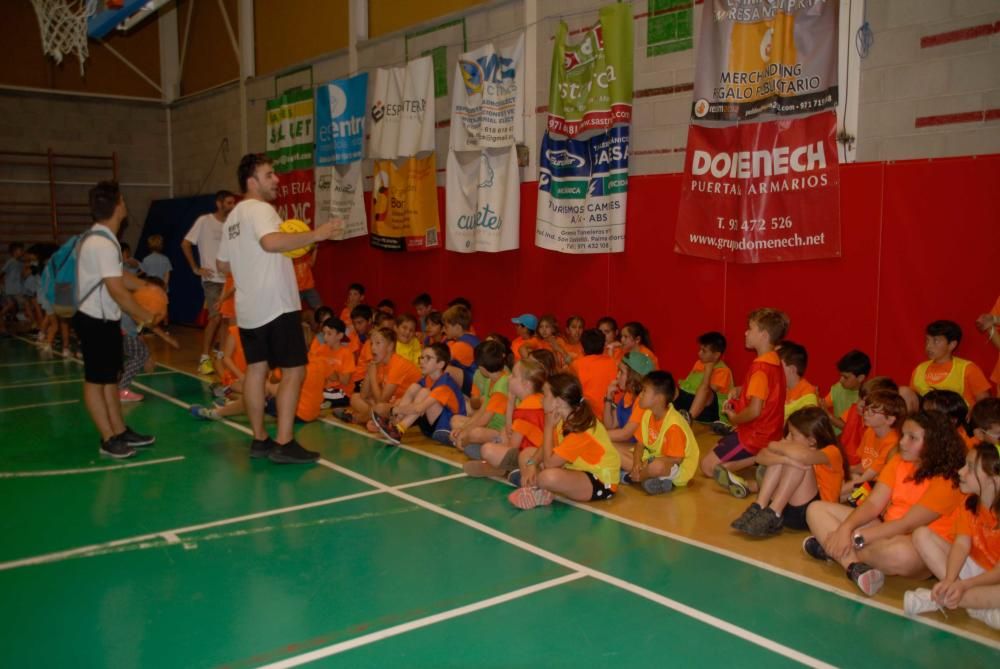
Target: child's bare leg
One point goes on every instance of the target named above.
(933, 550)
(657, 467)
(702, 397)
(792, 479)
(494, 453)
(625, 454)
(235, 408)
(572, 484)
(361, 410)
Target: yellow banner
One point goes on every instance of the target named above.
(405, 205)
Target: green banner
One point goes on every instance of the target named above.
(290, 130)
(591, 84)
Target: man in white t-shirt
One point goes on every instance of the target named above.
(103, 291)
(206, 234)
(268, 311)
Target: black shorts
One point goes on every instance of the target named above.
(280, 343)
(794, 517)
(710, 412)
(101, 346)
(601, 491)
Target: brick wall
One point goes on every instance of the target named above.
(206, 137)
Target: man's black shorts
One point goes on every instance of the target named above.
(101, 345)
(281, 342)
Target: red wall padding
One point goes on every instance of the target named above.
(920, 242)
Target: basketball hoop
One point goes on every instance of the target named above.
(63, 24)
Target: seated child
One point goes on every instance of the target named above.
(381, 319)
(665, 454)
(386, 306)
(595, 369)
(756, 409)
(431, 403)
(489, 396)
(569, 344)
(635, 337)
(576, 459)
(462, 302)
(967, 568)
(524, 414)
(319, 317)
(407, 344)
(703, 392)
(800, 393)
(338, 387)
(854, 368)
(609, 328)
(985, 421)
(355, 296)
(952, 405)
(945, 371)
(917, 487)
(232, 368)
(854, 427)
(620, 417)
(433, 329)
(363, 322)
(548, 336)
(882, 416)
(526, 340)
(462, 345)
(384, 379)
(546, 359)
(422, 305)
(481, 380)
(806, 466)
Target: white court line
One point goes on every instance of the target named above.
(38, 405)
(572, 565)
(37, 362)
(60, 380)
(403, 628)
(87, 470)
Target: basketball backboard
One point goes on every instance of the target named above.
(121, 14)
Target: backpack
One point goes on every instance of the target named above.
(58, 285)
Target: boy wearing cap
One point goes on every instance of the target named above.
(621, 402)
(526, 341)
(457, 320)
(595, 370)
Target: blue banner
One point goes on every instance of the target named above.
(340, 120)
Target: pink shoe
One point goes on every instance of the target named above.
(529, 498)
(127, 395)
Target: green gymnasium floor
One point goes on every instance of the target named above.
(192, 555)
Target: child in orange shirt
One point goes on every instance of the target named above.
(385, 379)
(407, 344)
(800, 393)
(306, 283)
(526, 325)
(917, 487)
(525, 419)
(609, 328)
(355, 296)
(703, 392)
(363, 323)
(756, 409)
(569, 344)
(883, 414)
(620, 401)
(635, 337)
(806, 466)
(548, 336)
(854, 427)
(576, 459)
(665, 453)
(595, 369)
(968, 569)
(945, 371)
(338, 387)
(431, 403)
(462, 345)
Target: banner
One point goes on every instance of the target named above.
(295, 197)
(402, 110)
(404, 205)
(487, 107)
(340, 120)
(591, 85)
(483, 205)
(766, 59)
(340, 194)
(762, 192)
(290, 130)
(582, 193)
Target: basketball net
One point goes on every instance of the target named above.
(63, 24)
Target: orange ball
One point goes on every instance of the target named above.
(154, 300)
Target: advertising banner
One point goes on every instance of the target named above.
(487, 108)
(483, 206)
(402, 111)
(340, 120)
(290, 130)
(295, 197)
(340, 194)
(404, 205)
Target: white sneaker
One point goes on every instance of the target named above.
(918, 601)
(989, 616)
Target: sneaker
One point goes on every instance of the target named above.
(115, 447)
(204, 413)
(220, 390)
(720, 428)
(220, 402)
(205, 366)
(387, 428)
(515, 477)
(126, 395)
(481, 469)
(918, 601)
(529, 498)
(261, 448)
(292, 454)
(814, 549)
(333, 393)
(989, 616)
(657, 485)
(736, 486)
(740, 523)
(767, 523)
(136, 440)
(868, 579)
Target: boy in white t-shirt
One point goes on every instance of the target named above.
(268, 311)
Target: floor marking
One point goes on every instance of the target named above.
(171, 537)
(403, 628)
(572, 565)
(87, 470)
(36, 362)
(61, 380)
(39, 405)
(416, 484)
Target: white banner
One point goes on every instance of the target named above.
(402, 110)
(339, 194)
(487, 107)
(483, 200)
